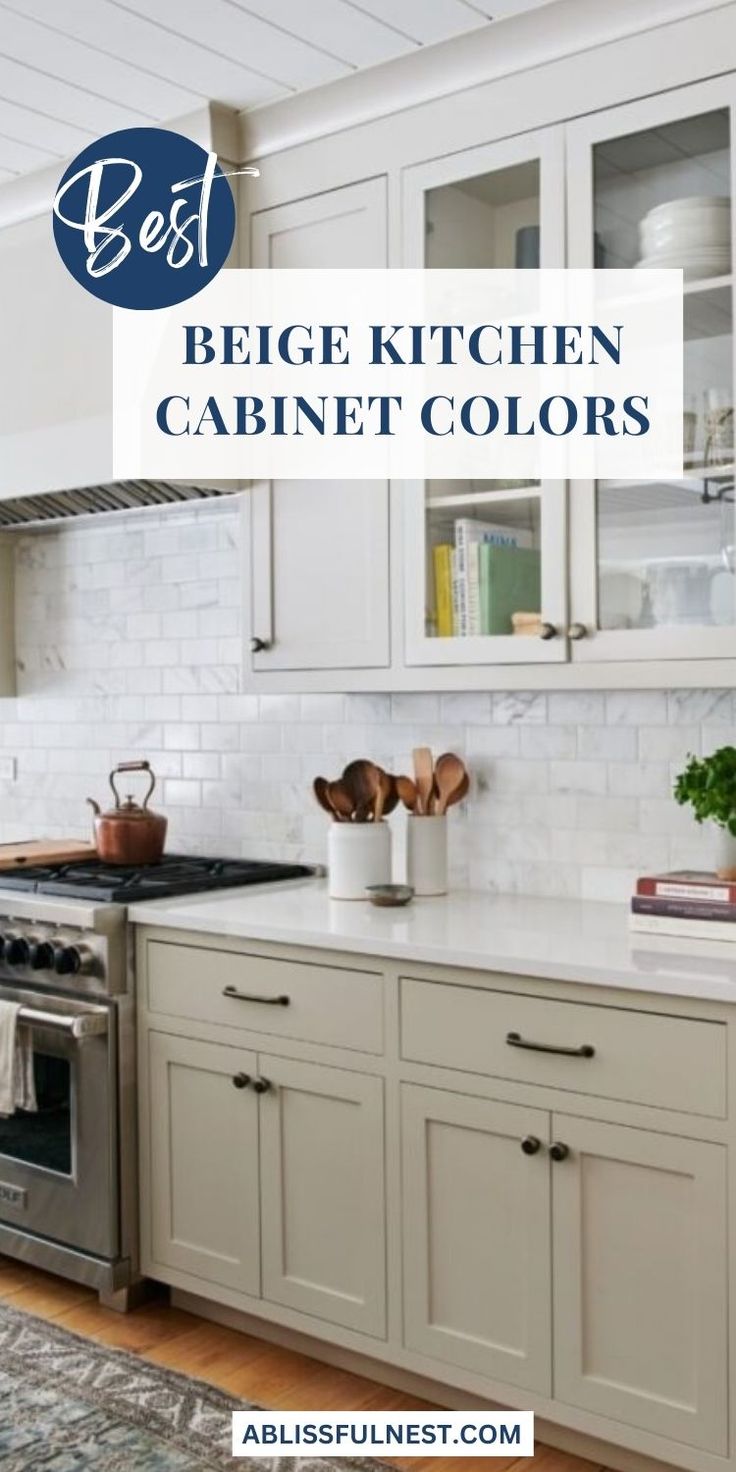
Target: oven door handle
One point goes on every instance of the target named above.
(77, 1025)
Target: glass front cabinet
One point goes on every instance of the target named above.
(494, 574)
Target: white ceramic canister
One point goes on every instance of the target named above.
(725, 853)
(426, 854)
(358, 854)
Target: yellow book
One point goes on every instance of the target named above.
(442, 555)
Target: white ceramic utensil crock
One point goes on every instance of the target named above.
(426, 854)
(358, 854)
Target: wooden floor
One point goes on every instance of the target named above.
(277, 1379)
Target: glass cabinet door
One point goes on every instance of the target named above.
(485, 560)
(653, 563)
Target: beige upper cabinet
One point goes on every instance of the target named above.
(203, 1162)
(476, 1235)
(319, 550)
(653, 574)
(478, 553)
(640, 1280)
(322, 1193)
(56, 403)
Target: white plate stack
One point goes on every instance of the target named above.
(692, 233)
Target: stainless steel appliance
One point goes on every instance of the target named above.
(68, 1184)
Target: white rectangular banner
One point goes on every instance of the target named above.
(383, 1434)
(405, 373)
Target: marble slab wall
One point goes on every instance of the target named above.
(129, 645)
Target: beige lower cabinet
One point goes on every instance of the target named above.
(640, 1279)
(204, 1200)
(267, 1177)
(628, 1316)
(322, 1193)
(538, 1174)
(476, 1235)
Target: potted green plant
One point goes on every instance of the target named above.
(708, 784)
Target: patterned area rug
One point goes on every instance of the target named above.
(68, 1404)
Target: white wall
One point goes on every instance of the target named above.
(129, 646)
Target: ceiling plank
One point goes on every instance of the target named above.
(22, 158)
(196, 73)
(49, 135)
(233, 32)
(35, 89)
(85, 60)
(339, 28)
(426, 24)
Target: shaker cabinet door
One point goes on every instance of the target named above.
(476, 1235)
(640, 1280)
(203, 1194)
(59, 434)
(319, 549)
(322, 1193)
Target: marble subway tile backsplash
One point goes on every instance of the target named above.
(129, 645)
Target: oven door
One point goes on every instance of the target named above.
(58, 1167)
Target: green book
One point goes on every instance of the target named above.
(510, 582)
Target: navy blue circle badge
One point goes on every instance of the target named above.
(144, 218)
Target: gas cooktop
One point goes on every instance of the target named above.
(173, 875)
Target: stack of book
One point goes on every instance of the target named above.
(485, 575)
(689, 903)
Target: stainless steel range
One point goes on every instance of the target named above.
(68, 1182)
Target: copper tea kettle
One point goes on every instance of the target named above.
(129, 833)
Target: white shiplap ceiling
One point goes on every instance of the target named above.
(71, 70)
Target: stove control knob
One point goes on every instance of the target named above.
(16, 950)
(41, 955)
(71, 960)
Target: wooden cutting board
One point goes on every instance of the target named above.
(45, 851)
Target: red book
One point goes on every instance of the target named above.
(688, 884)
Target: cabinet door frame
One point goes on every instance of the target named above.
(244, 1272)
(682, 641)
(370, 197)
(419, 1106)
(547, 147)
(367, 1315)
(707, 1426)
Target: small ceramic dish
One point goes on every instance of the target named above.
(389, 895)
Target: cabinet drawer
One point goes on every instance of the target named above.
(642, 1057)
(326, 1004)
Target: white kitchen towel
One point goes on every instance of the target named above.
(17, 1086)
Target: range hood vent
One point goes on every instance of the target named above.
(119, 495)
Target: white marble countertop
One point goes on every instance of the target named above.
(563, 940)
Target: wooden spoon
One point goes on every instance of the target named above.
(423, 776)
(383, 796)
(362, 780)
(449, 774)
(460, 792)
(341, 800)
(320, 787)
(407, 791)
(392, 799)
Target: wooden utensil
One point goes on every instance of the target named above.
(383, 796)
(448, 777)
(423, 776)
(320, 787)
(362, 780)
(45, 851)
(341, 800)
(460, 792)
(407, 792)
(392, 800)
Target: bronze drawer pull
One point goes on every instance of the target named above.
(232, 991)
(515, 1040)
